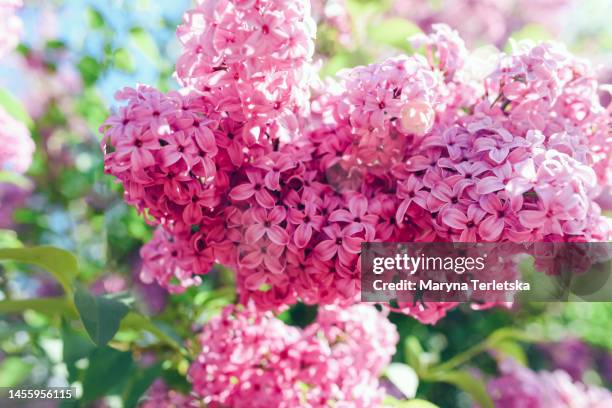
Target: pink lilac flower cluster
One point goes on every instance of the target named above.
(518, 386)
(159, 395)
(571, 355)
(252, 59)
(485, 21)
(410, 149)
(11, 198)
(16, 145)
(12, 27)
(251, 359)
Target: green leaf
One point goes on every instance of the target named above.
(391, 402)
(466, 382)
(90, 69)
(76, 346)
(101, 316)
(413, 352)
(107, 368)
(135, 321)
(146, 44)
(404, 378)
(94, 18)
(509, 348)
(123, 60)
(13, 370)
(61, 264)
(15, 108)
(394, 32)
(140, 383)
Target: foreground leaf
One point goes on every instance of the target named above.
(61, 264)
(107, 368)
(101, 316)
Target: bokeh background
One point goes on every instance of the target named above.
(60, 81)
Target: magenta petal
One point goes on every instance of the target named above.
(417, 163)
(252, 260)
(358, 206)
(206, 141)
(468, 235)
(264, 199)
(242, 192)
(169, 157)
(491, 228)
(401, 211)
(192, 214)
(499, 155)
(302, 235)
(272, 180)
(352, 244)
(254, 233)
(489, 185)
(255, 280)
(273, 264)
(277, 215)
(341, 216)
(278, 235)
(326, 250)
(532, 218)
(454, 218)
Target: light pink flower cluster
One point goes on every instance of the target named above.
(411, 149)
(12, 27)
(252, 59)
(16, 145)
(485, 21)
(251, 359)
(518, 386)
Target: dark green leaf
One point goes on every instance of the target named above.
(90, 70)
(107, 369)
(75, 347)
(139, 383)
(101, 316)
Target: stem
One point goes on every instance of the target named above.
(463, 357)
